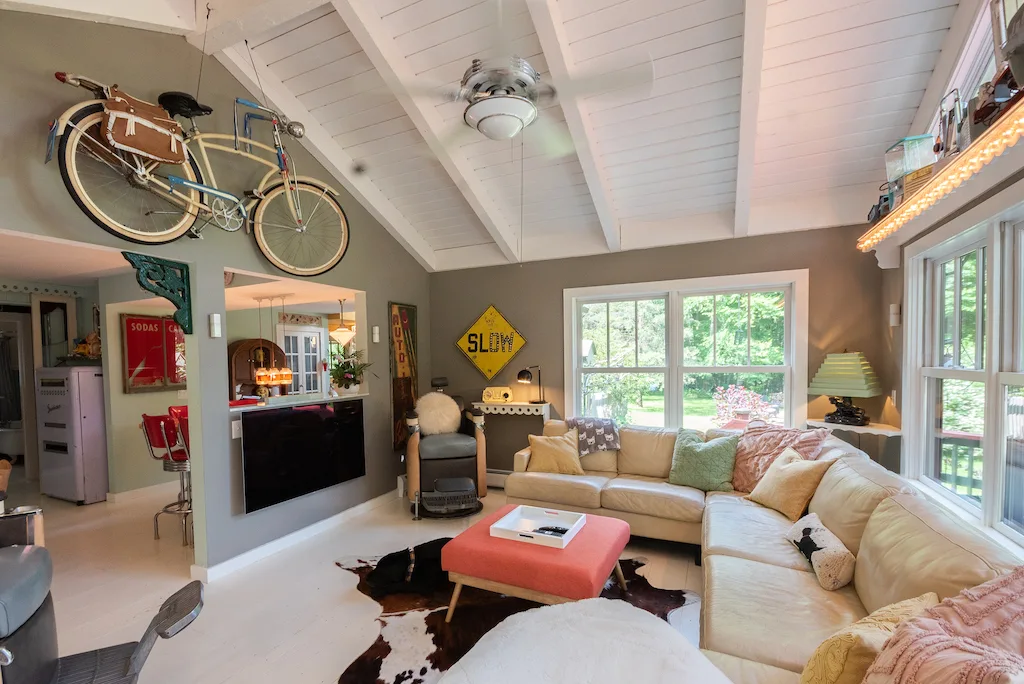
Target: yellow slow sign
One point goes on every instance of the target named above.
(491, 342)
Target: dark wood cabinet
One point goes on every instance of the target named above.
(244, 358)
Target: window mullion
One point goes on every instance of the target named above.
(748, 329)
(636, 334)
(607, 335)
(714, 330)
(957, 303)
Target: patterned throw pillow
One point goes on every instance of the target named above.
(844, 658)
(555, 455)
(832, 562)
(595, 434)
(706, 466)
(760, 444)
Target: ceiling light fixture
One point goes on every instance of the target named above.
(343, 334)
(500, 117)
(1001, 135)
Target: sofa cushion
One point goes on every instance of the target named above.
(583, 491)
(25, 576)
(912, 546)
(646, 451)
(848, 494)
(743, 529)
(555, 455)
(760, 444)
(789, 483)
(450, 445)
(832, 562)
(651, 496)
(600, 461)
(743, 671)
(776, 616)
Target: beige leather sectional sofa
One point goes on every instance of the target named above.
(763, 612)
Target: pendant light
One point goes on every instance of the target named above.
(262, 375)
(275, 374)
(343, 334)
(285, 371)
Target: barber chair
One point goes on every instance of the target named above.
(446, 468)
(28, 635)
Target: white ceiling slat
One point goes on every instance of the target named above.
(677, 184)
(853, 96)
(866, 14)
(311, 31)
(766, 169)
(672, 148)
(330, 154)
(608, 18)
(437, 32)
(680, 174)
(415, 162)
(840, 117)
(691, 205)
(779, 133)
(378, 131)
(794, 10)
(233, 21)
(867, 74)
(668, 134)
(838, 144)
(669, 85)
(700, 55)
(671, 162)
(894, 29)
(387, 7)
(848, 174)
(834, 168)
(572, 9)
(674, 196)
(475, 43)
(332, 72)
(339, 92)
(837, 62)
(395, 142)
(366, 117)
(817, 185)
(420, 13)
(656, 105)
(684, 116)
(315, 56)
(699, 15)
(385, 55)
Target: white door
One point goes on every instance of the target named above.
(304, 351)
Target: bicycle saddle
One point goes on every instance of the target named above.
(183, 105)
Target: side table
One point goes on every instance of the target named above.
(509, 436)
(879, 441)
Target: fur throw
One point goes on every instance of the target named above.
(438, 413)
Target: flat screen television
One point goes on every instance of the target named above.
(291, 451)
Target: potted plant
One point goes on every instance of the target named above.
(348, 369)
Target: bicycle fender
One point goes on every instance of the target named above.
(307, 179)
(62, 122)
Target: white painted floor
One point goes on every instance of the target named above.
(294, 617)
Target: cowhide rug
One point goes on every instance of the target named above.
(415, 645)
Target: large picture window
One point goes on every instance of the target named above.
(695, 353)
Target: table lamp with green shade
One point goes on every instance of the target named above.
(842, 377)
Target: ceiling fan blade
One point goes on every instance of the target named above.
(434, 91)
(457, 135)
(629, 82)
(551, 138)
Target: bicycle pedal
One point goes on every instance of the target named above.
(192, 235)
(253, 195)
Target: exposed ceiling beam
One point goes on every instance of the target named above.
(755, 18)
(377, 42)
(165, 16)
(329, 153)
(232, 21)
(550, 30)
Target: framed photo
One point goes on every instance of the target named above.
(153, 354)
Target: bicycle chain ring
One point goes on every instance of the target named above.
(227, 217)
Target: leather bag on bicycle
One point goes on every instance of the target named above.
(139, 127)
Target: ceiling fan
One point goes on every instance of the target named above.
(504, 95)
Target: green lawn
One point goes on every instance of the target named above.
(694, 404)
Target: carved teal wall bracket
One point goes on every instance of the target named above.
(167, 279)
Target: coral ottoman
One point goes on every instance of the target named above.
(536, 573)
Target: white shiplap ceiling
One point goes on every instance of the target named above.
(765, 115)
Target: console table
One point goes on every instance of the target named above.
(879, 441)
(506, 440)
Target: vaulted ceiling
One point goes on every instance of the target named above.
(764, 116)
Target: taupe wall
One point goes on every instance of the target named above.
(845, 303)
(34, 201)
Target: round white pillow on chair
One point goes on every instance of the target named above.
(438, 414)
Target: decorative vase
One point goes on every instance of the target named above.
(742, 414)
(351, 389)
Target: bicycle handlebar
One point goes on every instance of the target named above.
(255, 105)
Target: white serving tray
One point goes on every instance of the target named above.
(520, 523)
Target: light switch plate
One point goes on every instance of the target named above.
(236, 429)
(376, 333)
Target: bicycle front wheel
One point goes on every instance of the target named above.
(105, 187)
(311, 247)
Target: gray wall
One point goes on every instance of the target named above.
(845, 303)
(34, 201)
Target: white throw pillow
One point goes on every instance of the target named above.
(438, 413)
(832, 562)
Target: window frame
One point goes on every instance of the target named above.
(1003, 358)
(794, 282)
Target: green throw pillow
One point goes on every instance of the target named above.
(706, 466)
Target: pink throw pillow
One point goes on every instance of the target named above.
(976, 637)
(760, 444)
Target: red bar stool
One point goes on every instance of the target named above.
(179, 414)
(162, 434)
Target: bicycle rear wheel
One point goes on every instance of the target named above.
(103, 185)
(308, 249)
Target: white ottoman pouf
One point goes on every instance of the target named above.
(598, 641)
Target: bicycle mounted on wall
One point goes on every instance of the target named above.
(131, 169)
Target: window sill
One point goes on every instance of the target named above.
(962, 513)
